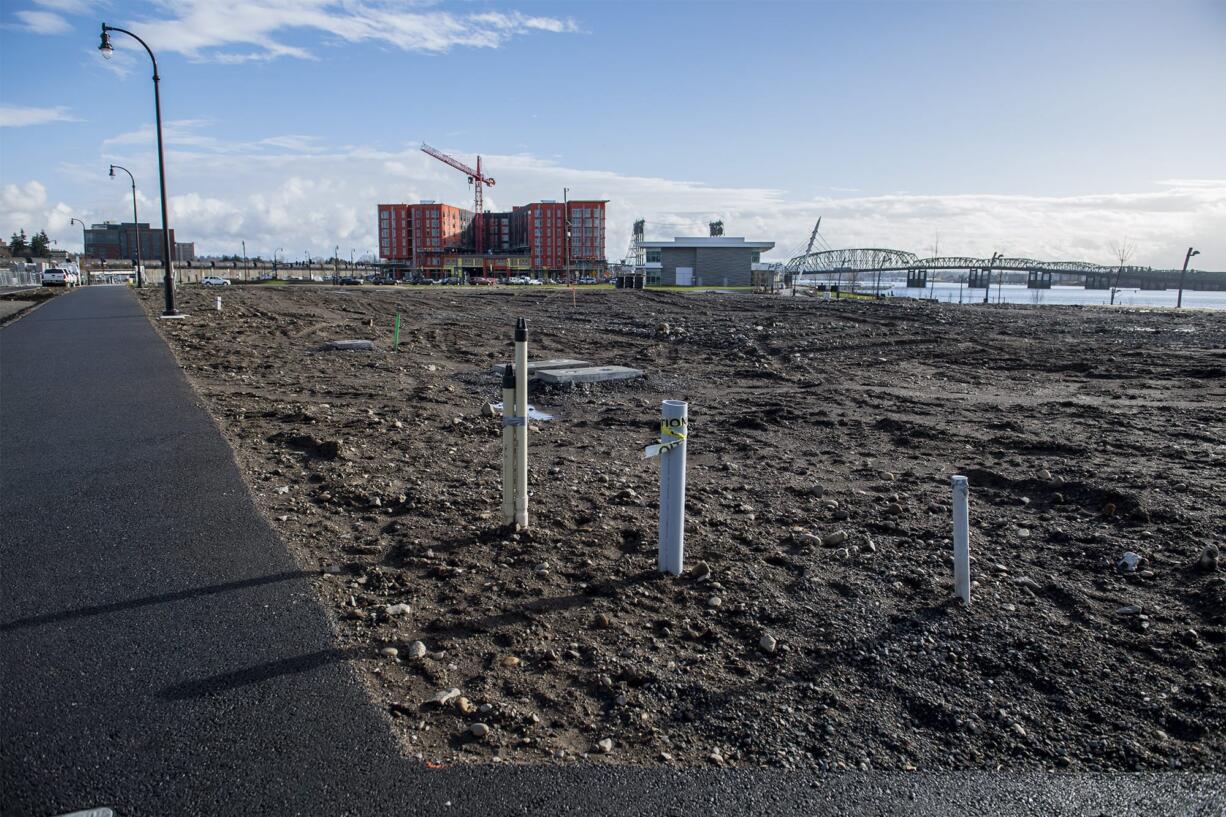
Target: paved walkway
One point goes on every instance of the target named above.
(162, 654)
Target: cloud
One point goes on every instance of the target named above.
(25, 207)
(31, 195)
(303, 194)
(17, 116)
(234, 31)
(67, 6)
(44, 22)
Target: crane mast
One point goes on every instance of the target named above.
(478, 181)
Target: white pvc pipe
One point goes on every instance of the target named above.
(508, 446)
(674, 421)
(962, 544)
(217, 303)
(521, 431)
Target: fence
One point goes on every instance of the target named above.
(20, 274)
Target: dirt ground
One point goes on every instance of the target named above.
(818, 630)
(14, 301)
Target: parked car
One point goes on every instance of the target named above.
(587, 279)
(518, 280)
(349, 281)
(482, 281)
(214, 281)
(536, 282)
(59, 277)
(385, 280)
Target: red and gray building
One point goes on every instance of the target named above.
(437, 240)
(117, 242)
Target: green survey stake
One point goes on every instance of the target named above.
(396, 333)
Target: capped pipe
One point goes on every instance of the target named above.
(508, 446)
(962, 546)
(521, 410)
(674, 421)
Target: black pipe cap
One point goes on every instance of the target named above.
(508, 377)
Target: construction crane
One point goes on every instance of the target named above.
(476, 180)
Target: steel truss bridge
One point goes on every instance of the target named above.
(980, 270)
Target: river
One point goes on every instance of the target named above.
(1020, 294)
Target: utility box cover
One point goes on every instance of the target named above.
(589, 374)
(536, 366)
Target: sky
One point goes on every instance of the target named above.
(1052, 130)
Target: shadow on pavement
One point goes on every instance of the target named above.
(161, 598)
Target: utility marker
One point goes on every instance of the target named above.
(509, 491)
(396, 334)
(962, 546)
(521, 411)
(674, 422)
(217, 303)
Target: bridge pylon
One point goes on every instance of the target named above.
(1038, 279)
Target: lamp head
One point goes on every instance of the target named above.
(1195, 252)
(112, 171)
(105, 45)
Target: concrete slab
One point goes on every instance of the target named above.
(348, 346)
(535, 366)
(589, 374)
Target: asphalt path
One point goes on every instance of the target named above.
(161, 653)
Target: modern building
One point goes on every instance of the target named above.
(117, 242)
(437, 240)
(703, 260)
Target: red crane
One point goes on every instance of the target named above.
(477, 180)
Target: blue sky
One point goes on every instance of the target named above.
(1051, 129)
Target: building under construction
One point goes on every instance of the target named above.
(439, 240)
(545, 237)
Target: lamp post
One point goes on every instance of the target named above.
(877, 286)
(244, 259)
(274, 261)
(168, 281)
(82, 258)
(140, 280)
(987, 290)
(1191, 252)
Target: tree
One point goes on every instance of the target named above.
(18, 245)
(40, 245)
(1123, 250)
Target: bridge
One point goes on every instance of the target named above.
(980, 271)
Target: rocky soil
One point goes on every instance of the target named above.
(815, 627)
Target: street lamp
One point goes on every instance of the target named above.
(877, 286)
(987, 290)
(274, 261)
(82, 258)
(140, 280)
(167, 251)
(1186, 259)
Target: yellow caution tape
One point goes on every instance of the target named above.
(672, 434)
